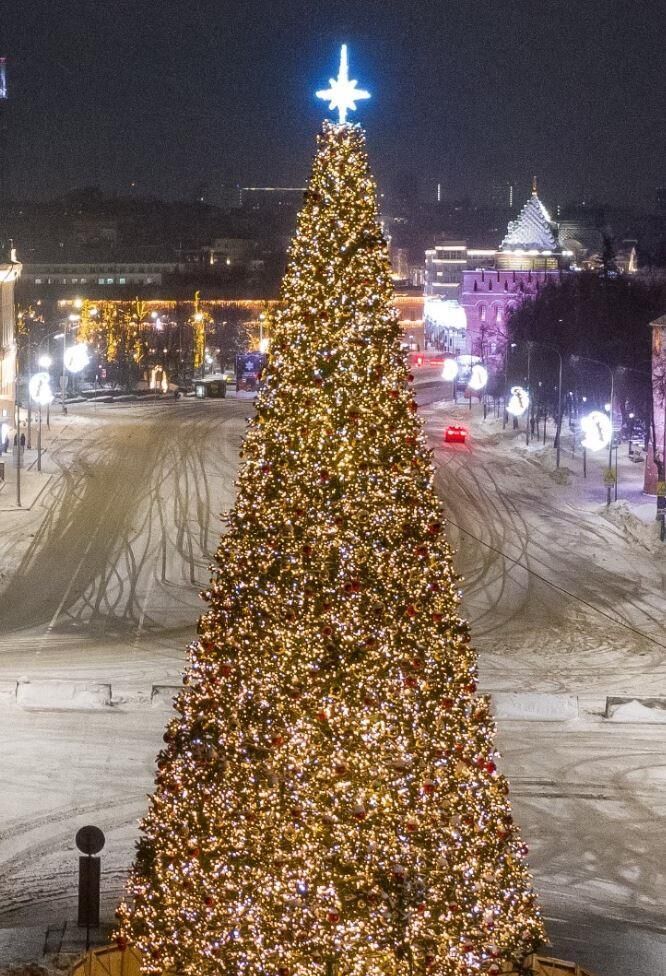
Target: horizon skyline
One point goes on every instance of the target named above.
(171, 98)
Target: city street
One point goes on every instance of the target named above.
(105, 571)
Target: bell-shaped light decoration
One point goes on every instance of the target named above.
(76, 357)
(598, 430)
(449, 370)
(39, 388)
(519, 401)
(478, 378)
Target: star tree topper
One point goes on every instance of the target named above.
(343, 93)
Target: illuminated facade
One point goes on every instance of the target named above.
(527, 259)
(657, 448)
(10, 271)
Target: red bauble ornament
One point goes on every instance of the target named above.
(447, 703)
(360, 813)
(333, 917)
(411, 610)
(428, 787)
(277, 741)
(410, 681)
(226, 670)
(411, 826)
(209, 902)
(490, 767)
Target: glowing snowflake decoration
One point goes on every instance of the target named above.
(343, 93)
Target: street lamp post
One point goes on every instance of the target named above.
(611, 373)
(529, 393)
(558, 421)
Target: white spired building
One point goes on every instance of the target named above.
(10, 270)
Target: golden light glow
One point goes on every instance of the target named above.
(327, 799)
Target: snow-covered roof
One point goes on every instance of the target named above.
(532, 229)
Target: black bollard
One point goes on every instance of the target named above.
(90, 840)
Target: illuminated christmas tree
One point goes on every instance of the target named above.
(327, 800)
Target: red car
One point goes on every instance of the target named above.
(455, 434)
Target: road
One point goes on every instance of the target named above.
(132, 520)
(557, 599)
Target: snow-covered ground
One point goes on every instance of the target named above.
(101, 577)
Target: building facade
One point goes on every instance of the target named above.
(101, 273)
(10, 271)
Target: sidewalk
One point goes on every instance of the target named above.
(32, 481)
(52, 946)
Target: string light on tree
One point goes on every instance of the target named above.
(328, 798)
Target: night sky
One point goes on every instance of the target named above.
(172, 93)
